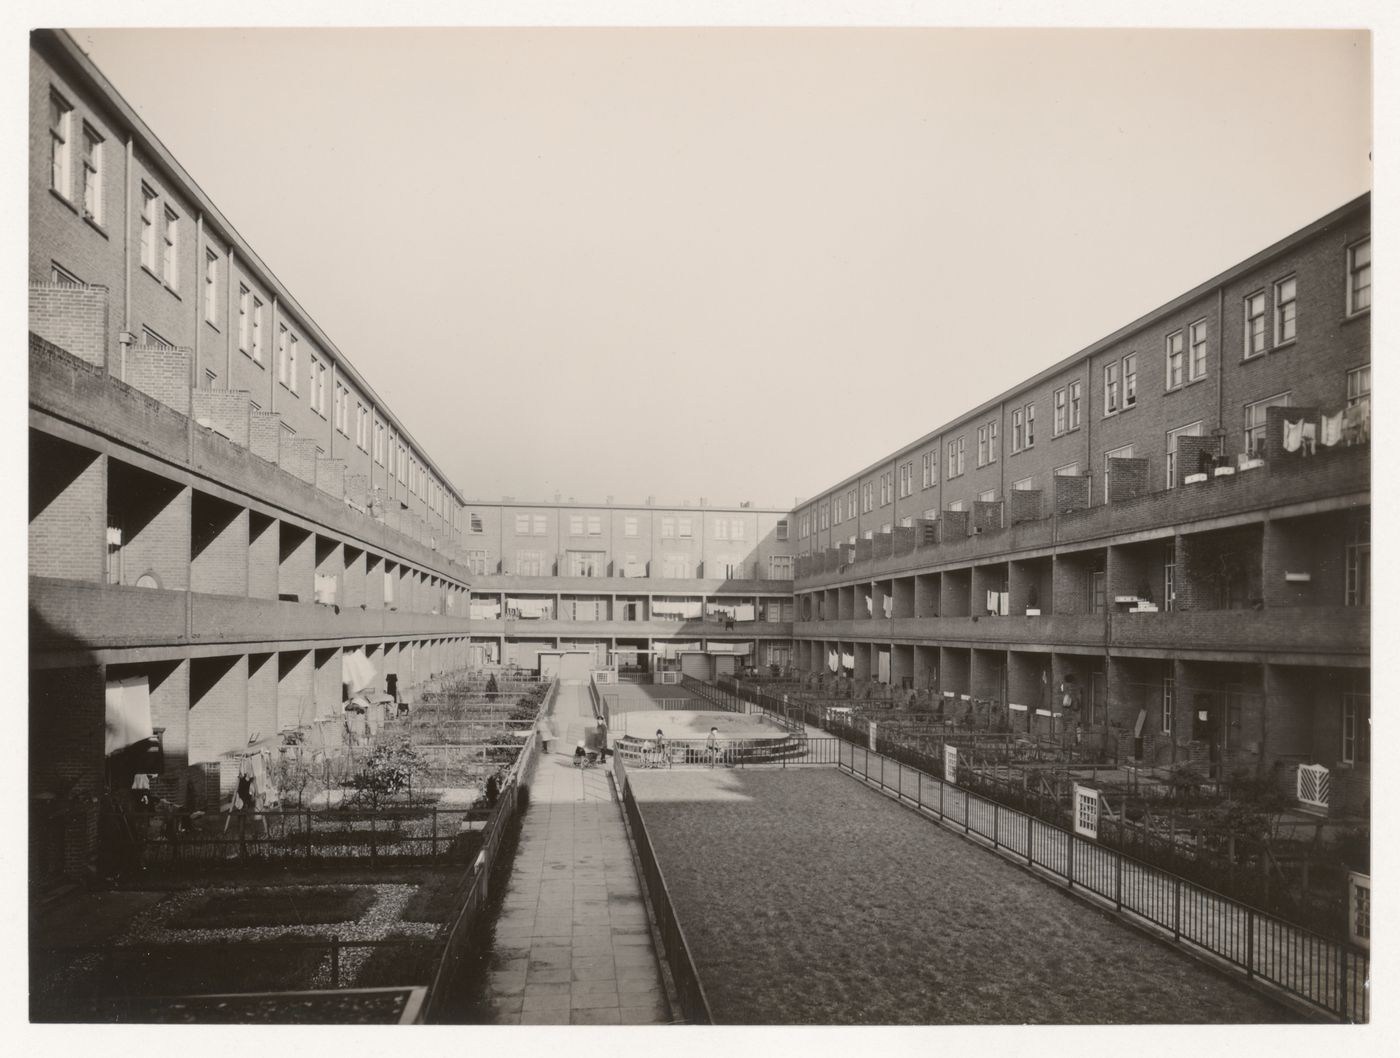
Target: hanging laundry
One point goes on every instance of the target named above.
(993, 602)
(1309, 438)
(1356, 422)
(1292, 435)
(1331, 429)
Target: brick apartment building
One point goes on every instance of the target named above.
(224, 514)
(1171, 527)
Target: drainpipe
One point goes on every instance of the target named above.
(272, 366)
(1219, 430)
(229, 308)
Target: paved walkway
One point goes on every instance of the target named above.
(573, 945)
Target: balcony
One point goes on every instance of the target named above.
(530, 628)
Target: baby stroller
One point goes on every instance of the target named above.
(585, 758)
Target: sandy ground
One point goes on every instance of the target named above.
(807, 898)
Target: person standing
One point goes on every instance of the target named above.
(546, 733)
(712, 747)
(602, 731)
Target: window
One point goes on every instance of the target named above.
(361, 427)
(1285, 310)
(476, 562)
(907, 522)
(931, 515)
(780, 531)
(211, 287)
(148, 228)
(475, 524)
(540, 524)
(1126, 452)
(154, 340)
(318, 386)
(1255, 417)
(1176, 359)
(283, 351)
(292, 372)
(1193, 430)
(886, 488)
(587, 564)
(1024, 485)
(869, 534)
(1168, 703)
(92, 174)
(683, 527)
(243, 296)
(629, 526)
(1111, 395)
(851, 504)
(824, 517)
(1060, 422)
(1356, 723)
(1069, 470)
(721, 529)
(342, 412)
(867, 497)
(379, 445)
(906, 480)
(1254, 324)
(60, 144)
(575, 525)
(1358, 385)
(930, 469)
(676, 566)
(1076, 389)
(1359, 277)
(956, 505)
(595, 525)
(170, 247)
(1169, 578)
(257, 330)
(986, 444)
(522, 525)
(989, 496)
(1130, 380)
(60, 276)
(957, 454)
(736, 529)
(1022, 428)
(1200, 333)
(1358, 565)
(668, 527)
(529, 563)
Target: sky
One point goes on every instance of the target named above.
(737, 263)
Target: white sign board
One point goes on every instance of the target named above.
(950, 764)
(872, 736)
(1086, 812)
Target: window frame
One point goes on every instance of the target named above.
(1353, 309)
(1256, 339)
(150, 201)
(211, 287)
(170, 246)
(906, 479)
(957, 456)
(1076, 397)
(1362, 376)
(1175, 435)
(1280, 400)
(92, 200)
(1198, 366)
(1285, 311)
(1112, 392)
(1059, 404)
(60, 146)
(930, 469)
(1176, 358)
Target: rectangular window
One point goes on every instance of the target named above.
(886, 488)
(867, 497)
(476, 563)
(1358, 385)
(595, 525)
(284, 360)
(1358, 565)
(668, 528)
(1024, 485)
(736, 529)
(541, 524)
(170, 249)
(988, 497)
(257, 330)
(957, 455)
(1285, 310)
(1176, 359)
(1255, 417)
(676, 566)
(930, 470)
(92, 174)
(824, 516)
(1111, 394)
(1169, 578)
(342, 413)
(1356, 724)
(1075, 390)
(318, 394)
(379, 443)
(1022, 428)
(851, 504)
(475, 523)
(211, 287)
(1200, 334)
(1130, 380)
(154, 340)
(60, 276)
(1173, 436)
(587, 564)
(522, 525)
(780, 531)
(721, 529)
(1061, 412)
(60, 145)
(956, 505)
(1168, 703)
(683, 529)
(1359, 277)
(1254, 324)
(629, 526)
(780, 567)
(906, 480)
(529, 563)
(361, 427)
(149, 200)
(575, 525)
(981, 446)
(243, 296)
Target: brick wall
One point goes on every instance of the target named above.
(162, 545)
(298, 562)
(262, 695)
(298, 458)
(265, 435)
(955, 525)
(987, 515)
(1189, 453)
(1071, 492)
(72, 318)
(1127, 478)
(327, 685)
(330, 476)
(220, 555)
(160, 373)
(296, 697)
(1023, 505)
(66, 752)
(263, 558)
(67, 511)
(226, 412)
(357, 491)
(218, 706)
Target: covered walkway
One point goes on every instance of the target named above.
(573, 944)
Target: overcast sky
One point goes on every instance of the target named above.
(737, 263)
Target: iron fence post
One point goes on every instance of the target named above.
(966, 809)
(1342, 981)
(996, 825)
(1118, 878)
(1249, 943)
(941, 783)
(1069, 857)
(335, 961)
(1176, 909)
(1030, 854)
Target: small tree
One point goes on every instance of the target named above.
(386, 771)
